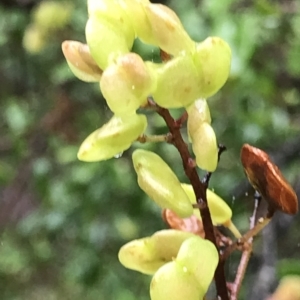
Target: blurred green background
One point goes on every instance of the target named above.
(63, 221)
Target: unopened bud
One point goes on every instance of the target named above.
(106, 41)
(126, 84)
(212, 59)
(160, 183)
(112, 138)
(205, 148)
(112, 12)
(177, 84)
(168, 31)
(148, 254)
(198, 112)
(80, 61)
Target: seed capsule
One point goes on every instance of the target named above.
(267, 179)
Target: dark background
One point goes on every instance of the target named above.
(63, 221)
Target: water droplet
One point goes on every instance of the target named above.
(246, 194)
(233, 198)
(118, 155)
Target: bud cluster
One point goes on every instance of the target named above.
(183, 263)
(195, 70)
(176, 259)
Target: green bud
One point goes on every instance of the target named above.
(106, 41)
(160, 183)
(168, 31)
(205, 148)
(80, 61)
(147, 255)
(198, 112)
(200, 257)
(135, 11)
(126, 84)
(219, 209)
(112, 138)
(112, 12)
(212, 60)
(174, 281)
(177, 83)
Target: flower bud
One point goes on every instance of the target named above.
(198, 112)
(112, 138)
(177, 84)
(126, 84)
(212, 60)
(160, 183)
(174, 281)
(112, 12)
(135, 11)
(205, 148)
(80, 61)
(168, 31)
(147, 255)
(200, 257)
(106, 41)
(219, 210)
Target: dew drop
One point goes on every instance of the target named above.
(118, 155)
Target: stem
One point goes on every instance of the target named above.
(245, 256)
(154, 138)
(200, 192)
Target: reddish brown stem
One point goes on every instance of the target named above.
(200, 192)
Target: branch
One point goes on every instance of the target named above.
(245, 256)
(199, 189)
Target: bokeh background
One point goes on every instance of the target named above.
(63, 221)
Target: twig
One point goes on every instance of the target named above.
(245, 255)
(200, 192)
(154, 138)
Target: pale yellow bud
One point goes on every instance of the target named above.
(198, 112)
(219, 209)
(106, 41)
(174, 281)
(201, 258)
(168, 31)
(177, 83)
(147, 255)
(212, 59)
(80, 61)
(205, 148)
(126, 84)
(160, 183)
(112, 12)
(112, 138)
